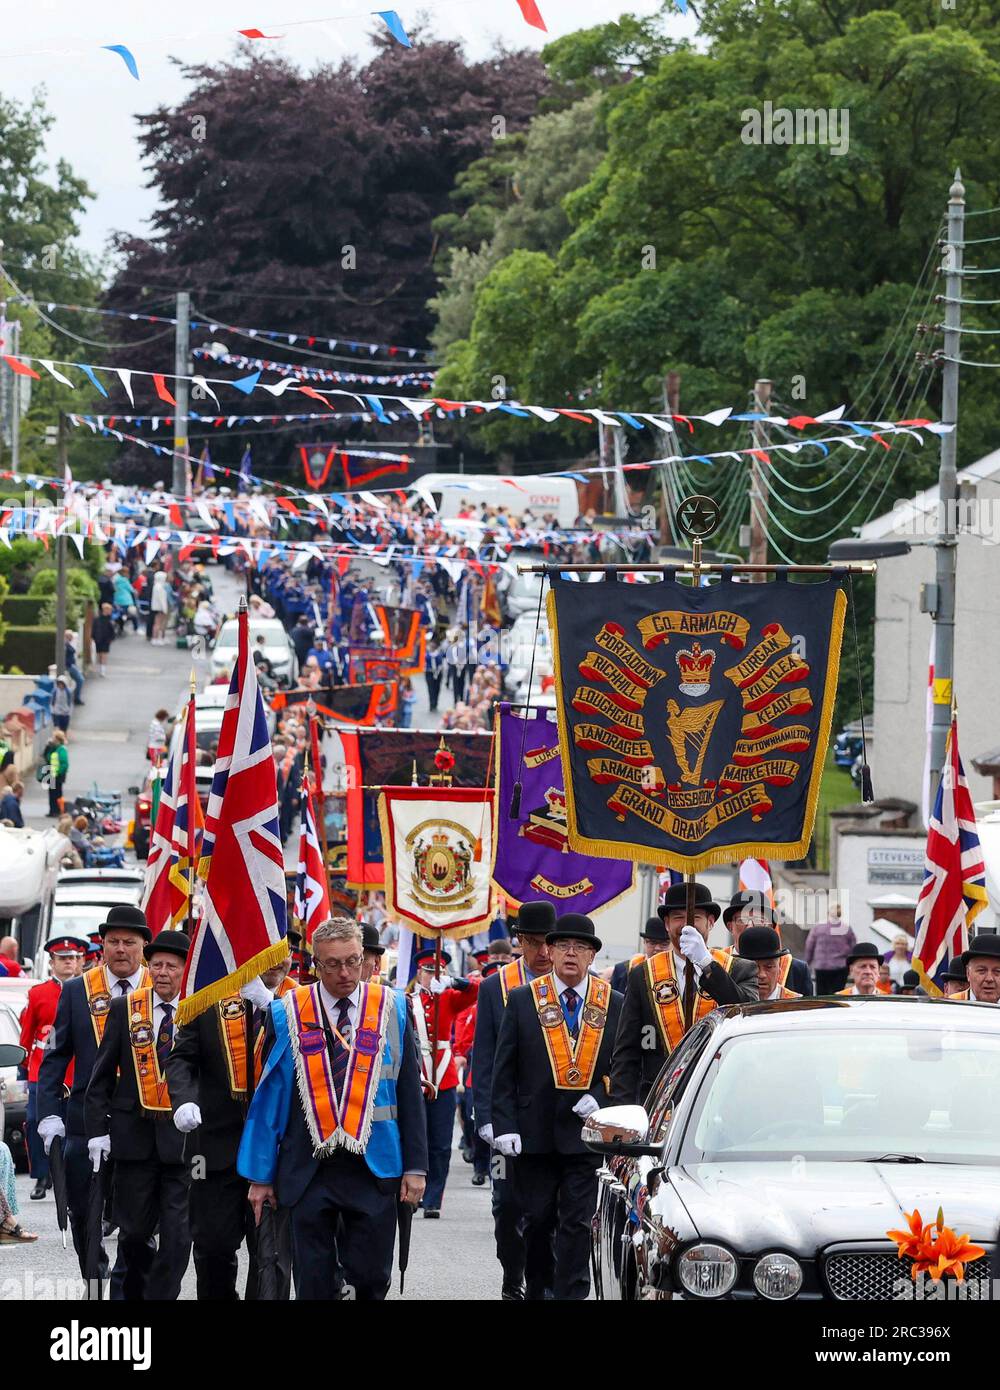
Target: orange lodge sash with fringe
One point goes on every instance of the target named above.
(511, 975)
(666, 994)
(153, 1093)
(573, 1064)
(233, 1030)
(334, 1121)
(97, 985)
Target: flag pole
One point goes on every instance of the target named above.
(190, 736)
(317, 760)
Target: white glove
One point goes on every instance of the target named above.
(585, 1106)
(508, 1144)
(439, 984)
(99, 1149)
(693, 948)
(486, 1133)
(256, 992)
(51, 1128)
(188, 1117)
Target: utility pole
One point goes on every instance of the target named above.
(61, 563)
(15, 401)
(946, 547)
(182, 338)
(758, 480)
(671, 406)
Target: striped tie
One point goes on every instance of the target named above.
(340, 1052)
(165, 1037)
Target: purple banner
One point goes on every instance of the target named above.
(533, 860)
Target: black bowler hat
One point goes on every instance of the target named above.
(676, 898)
(956, 971)
(985, 944)
(760, 943)
(747, 898)
(654, 930)
(369, 939)
(864, 950)
(573, 926)
(125, 917)
(911, 980)
(429, 953)
(535, 918)
(174, 941)
(66, 946)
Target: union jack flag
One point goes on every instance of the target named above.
(158, 893)
(242, 928)
(189, 822)
(312, 893)
(954, 888)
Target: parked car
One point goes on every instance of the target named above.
(782, 1141)
(277, 648)
(13, 1093)
(847, 746)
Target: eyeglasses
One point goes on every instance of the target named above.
(350, 963)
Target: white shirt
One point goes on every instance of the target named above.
(132, 981)
(775, 993)
(680, 962)
(159, 1006)
(561, 986)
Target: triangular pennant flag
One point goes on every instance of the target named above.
(58, 375)
(77, 540)
(125, 377)
(200, 381)
(246, 383)
(125, 56)
(161, 389)
(395, 25)
(532, 15)
(18, 367)
(89, 373)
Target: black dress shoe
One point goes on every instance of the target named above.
(432, 1213)
(39, 1190)
(512, 1293)
(478, 1179)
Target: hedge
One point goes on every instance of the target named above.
(22, 609)
(33, 649)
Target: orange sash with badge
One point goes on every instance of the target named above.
(511, 975)
(338, 1121)
(573, 1064)
(97, 985)
(666, 995)
(153, 1093)
(233, 1029)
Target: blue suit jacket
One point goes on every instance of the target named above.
(72, 1038)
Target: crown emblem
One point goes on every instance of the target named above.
(695, 667)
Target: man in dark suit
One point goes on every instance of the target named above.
(750, 909)
(670, 991)
(534, 921)
(79, 1025)
(345, 1049)
(128, 1117)
(654, 939)
(550, 1072)
(207, 1073)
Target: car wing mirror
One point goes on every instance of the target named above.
(12, 1055)
(619, 1129)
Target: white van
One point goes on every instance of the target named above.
(529, 497)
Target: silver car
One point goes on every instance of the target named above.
(782, 1141)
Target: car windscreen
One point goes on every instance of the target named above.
(850, 1095)
(77, 919)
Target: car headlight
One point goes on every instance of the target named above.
(707, 1271)
(777, 1276)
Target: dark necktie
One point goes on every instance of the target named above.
(165, 1037)
(688, 995)
(571, 1001)
(122, 988)
(339, 1051)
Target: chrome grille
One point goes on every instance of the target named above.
(870, 1275)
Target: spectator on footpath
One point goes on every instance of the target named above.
(10, 806)
(898, 959)
(126, 600)
(103, 634)
(156, 739)
(159, 604)
(9, 963)
(827, 947)
(11, 1231)
(73, 666)
(62, 704)
(57, 758)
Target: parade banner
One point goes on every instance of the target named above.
(438, 844)
(350, 704)
(404, 636)
(533, 858)
(376, 758)
(693, 722)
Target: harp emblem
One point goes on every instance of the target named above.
(689, 731)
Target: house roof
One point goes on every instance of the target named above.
(901, 519)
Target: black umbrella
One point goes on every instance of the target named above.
(57, 1171)
(100, 1191)
(267, 1256)
(404, 1221)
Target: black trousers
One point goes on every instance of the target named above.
(557, 1194)
(829, 981)
(221, 1218)
(151, 1196)
(433, 689)
(345, 1218)
(508, 1228)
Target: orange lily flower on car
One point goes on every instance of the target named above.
(911, 1241)
(952, 1253)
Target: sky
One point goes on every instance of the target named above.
(57, 45)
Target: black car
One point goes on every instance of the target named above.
(783, 1141)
